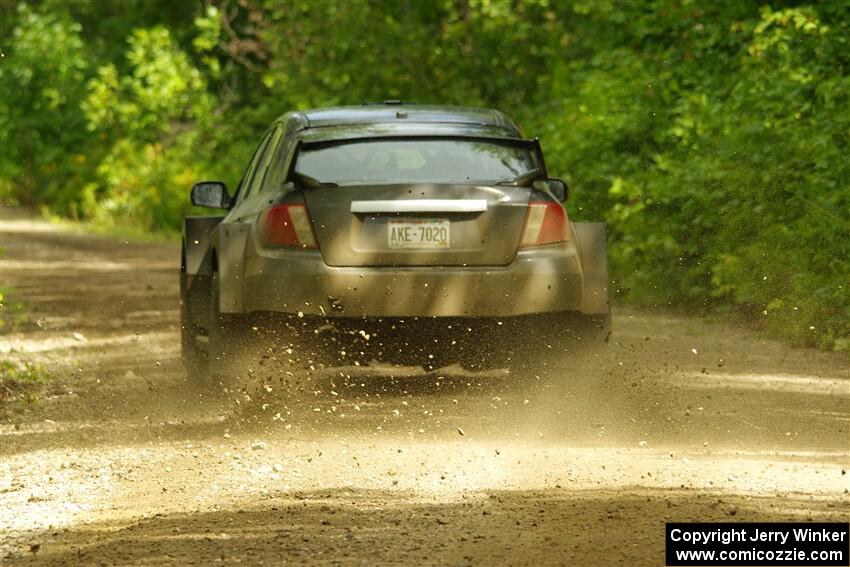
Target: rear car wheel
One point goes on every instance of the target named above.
(551, 342)
(193, 356)
(226, 335)
(194, 359)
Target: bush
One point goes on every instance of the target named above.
(713, 137)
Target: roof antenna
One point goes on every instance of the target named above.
(389, 102)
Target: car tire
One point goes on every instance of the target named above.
(549, 343)
(226, 336)
(194, 357)
(593, 331)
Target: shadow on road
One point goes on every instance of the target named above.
(351, 526)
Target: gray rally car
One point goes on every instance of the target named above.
(407, 233)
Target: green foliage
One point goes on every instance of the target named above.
(22, 381)
(161, 90)
(152, 117)
(712, 136)
(25, 373)
(12, 313)
(42, 132)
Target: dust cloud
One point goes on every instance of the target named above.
(579, 455)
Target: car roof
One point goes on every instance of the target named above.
(405, 117)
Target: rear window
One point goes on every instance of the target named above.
(416, 161)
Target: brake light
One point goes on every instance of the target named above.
(546, 223)
(287, 225)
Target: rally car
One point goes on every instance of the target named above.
(406, 233)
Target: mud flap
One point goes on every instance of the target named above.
(593, 250)
(196, 269)
(232, 238)
(197, 231)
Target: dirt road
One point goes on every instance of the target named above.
(114, 459)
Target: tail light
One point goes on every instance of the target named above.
(287, 225)
(546, 223)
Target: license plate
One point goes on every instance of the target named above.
(421, 234)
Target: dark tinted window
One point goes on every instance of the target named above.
(403, 161)
(259, 174)
(245, 184)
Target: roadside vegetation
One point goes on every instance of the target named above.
(19, 380)
(12, 312)
(712, 136)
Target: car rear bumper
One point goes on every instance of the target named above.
(541, 280)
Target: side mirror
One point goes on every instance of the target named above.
(210, 194)
(557, 187)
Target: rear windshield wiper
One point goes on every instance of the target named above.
(523, 179)
(312, 181)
